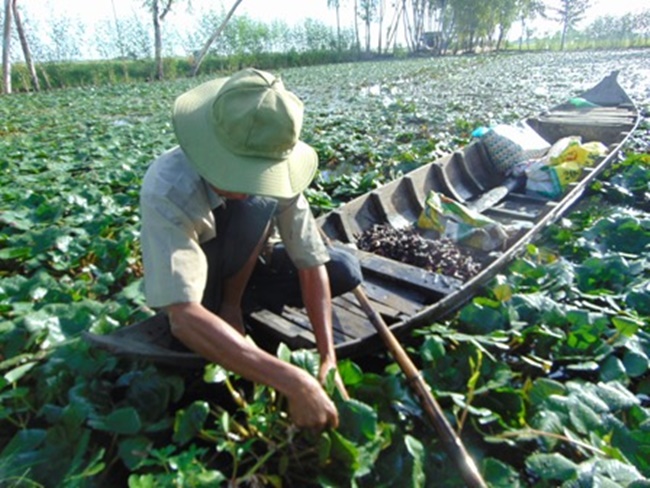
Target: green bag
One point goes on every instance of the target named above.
(448, 218)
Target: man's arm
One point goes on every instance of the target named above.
(315, 287)
(214, 339)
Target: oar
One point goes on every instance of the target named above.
(451, 442)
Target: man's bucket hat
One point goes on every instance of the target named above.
(241, 134)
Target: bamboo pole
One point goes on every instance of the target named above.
(451, 442)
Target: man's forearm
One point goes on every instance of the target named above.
(211, 337)
(214, 339)
(317, 298)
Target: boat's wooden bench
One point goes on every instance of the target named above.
(395, 289)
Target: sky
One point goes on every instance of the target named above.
(289, 11)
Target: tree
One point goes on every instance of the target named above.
(25, 46)
(336, 5)
(473, 19)
(213, 37)
(6, 49)
(528, 10)
(367, 10)
(569, 13)
(159, 10)
(505, 14)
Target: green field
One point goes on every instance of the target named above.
(551, 387)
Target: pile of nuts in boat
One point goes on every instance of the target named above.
(407, 246)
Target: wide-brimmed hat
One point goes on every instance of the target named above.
(241, 134)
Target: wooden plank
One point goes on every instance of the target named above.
(299, 317)
(289, 332)
(349, 301)
(407, 275)
(351, 323)
(407, 303)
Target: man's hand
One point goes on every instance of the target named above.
(310, 407)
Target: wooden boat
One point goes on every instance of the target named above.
(407, 296)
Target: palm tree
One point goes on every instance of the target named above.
(570, 12)
(336, 4)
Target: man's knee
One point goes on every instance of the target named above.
(344, 271)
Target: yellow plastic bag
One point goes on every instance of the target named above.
(551, 175)
(580, 154)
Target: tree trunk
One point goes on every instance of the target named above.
(157, 41)
(380, 22)
(356, 26)
(338, 26)
(217, 33)
(392, 28)
(6, 50)
(25, 46)
(408, 30)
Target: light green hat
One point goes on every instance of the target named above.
(241, 134)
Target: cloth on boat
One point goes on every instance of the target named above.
(509, 145)
(177, 218)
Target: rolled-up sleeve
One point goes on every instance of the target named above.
(175, 267)
(299, 232)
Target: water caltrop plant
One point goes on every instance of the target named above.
(545, 374)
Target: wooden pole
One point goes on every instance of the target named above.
(451, 442)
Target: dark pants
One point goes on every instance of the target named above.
(274, 282)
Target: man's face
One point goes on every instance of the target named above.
(229, 195)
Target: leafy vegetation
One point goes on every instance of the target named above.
(545, 375)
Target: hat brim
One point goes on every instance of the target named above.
(194, 127)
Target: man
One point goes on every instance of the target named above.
(207, 208)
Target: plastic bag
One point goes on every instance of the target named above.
(563, 164)
(450, 219)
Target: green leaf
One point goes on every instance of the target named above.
(190, 422)
(543, 388)
(307, 360)
(134, 450)
(612, 369)
(498, 474)
(351, 373)
(357, 421)
(636, 363)
(616, 396)
(345, 452)
(483, 316)
(432, 349)
(214, 373)
(552, 467)
(583, 418)
(15, 253)
(417, 452)
(15, 374)
(626, 326)
(143, 481)
(125, 421)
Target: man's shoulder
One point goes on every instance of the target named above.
(171, 163)
(171, 170)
